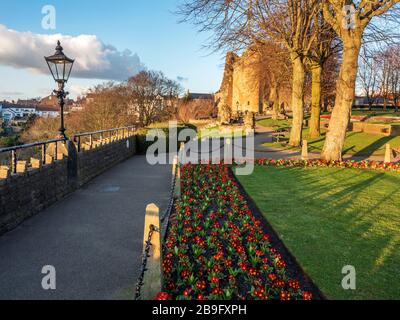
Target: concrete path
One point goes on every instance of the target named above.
(93, 238)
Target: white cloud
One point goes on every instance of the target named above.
(77, 90)
(93, 58)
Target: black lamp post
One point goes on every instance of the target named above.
(60, 67)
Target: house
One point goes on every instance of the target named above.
(200, 96)
(10, 111)
(47, 112)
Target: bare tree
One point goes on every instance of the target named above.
(276, 72)
(151, 95)
(196, 109)
(368, 76)
(394, 53)
(239, 23)
(386, 71)
(326, 45)
(292, 24)
(349, 19)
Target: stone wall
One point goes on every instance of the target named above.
(224, 95)
(372, 128)
(93, 162)
(247, 92)
(27, 193)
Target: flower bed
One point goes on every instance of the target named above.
(217, 248)
(374, 165)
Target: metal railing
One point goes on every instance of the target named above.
(90, 137)
(43, 144)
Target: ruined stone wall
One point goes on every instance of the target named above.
(27, 193)
(224, 95)
(242, 88)
(247, 83)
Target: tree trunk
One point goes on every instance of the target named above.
(315, 121)
(297, 100)
(385, 103)
(345, 92)
(274, 98)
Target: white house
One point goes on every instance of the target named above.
(10, 111)
(46, 112)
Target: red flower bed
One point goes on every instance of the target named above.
(374, 165)
(217, 249)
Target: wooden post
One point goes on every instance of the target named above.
(388, 154)
(304, 151)
(152, 282)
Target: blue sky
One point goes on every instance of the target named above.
(147, 28)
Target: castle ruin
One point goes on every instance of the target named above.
(242, 88)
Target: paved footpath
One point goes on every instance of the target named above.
(93, 237)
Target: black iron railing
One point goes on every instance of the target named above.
(90, 137)
(43, 145)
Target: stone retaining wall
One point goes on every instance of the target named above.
(27, 193)
(372, 128)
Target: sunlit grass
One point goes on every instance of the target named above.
(356, 143)
(330, 218)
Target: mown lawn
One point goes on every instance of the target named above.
(357, 143)
(330, 218)
(275, 123)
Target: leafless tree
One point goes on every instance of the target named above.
(239, 23)
(394, 53)
(350, 19)
(326, 45)
(152, 96)
(368, 76)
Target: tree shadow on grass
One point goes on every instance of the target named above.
(352, 225)
(372, 148)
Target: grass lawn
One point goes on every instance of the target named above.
(330, 218)
(356, 143)
(376, 113)
(215, 132)
(275, 123)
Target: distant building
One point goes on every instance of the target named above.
(11, 111)
(360, 102)
(200, 96)
(47, 112)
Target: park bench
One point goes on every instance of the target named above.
(279, 134)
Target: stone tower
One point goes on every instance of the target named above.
(242, 85)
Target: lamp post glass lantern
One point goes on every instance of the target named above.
(60, 67)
